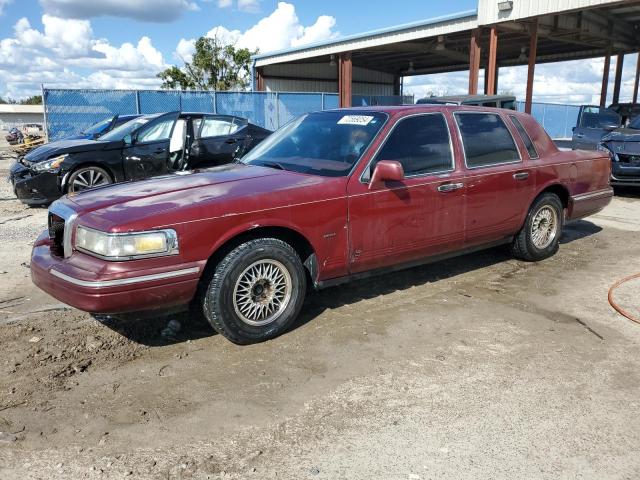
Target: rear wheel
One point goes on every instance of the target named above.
(540, 236)
(85, 178)
(256, 291)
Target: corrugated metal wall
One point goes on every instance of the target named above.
(323, 77)
(488, 9)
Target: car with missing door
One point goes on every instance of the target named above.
(333, 196)
(146, 146)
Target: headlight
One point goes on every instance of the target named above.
(51, 165)
(126, 246)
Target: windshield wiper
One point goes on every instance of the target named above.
(272, 165)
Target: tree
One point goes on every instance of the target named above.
(32, 100)
(214, 66)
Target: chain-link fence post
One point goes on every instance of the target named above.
(44, 113)
(138, 102)
(322, 102)
(277, 110)
(215, 103)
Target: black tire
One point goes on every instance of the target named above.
(524, 244)
(220, 300)
(86, 175)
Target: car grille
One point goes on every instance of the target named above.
(633, 160)
(56, 234)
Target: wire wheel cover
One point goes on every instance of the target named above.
(262, 292)
(544, 227)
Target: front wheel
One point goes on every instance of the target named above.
(256, 291)
(540, 236)
(85, 178)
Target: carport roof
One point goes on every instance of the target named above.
(568, 30)
(382, 36)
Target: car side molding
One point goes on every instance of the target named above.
(332, 282)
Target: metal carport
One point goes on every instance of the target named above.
(496, 34)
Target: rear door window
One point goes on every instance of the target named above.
(526, 139)
(216, 127)
(486, 140)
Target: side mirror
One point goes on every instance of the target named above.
(386, 171)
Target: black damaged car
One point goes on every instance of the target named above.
(623, 144)
(147, 146)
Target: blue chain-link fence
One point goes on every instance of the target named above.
(558, 120)
(68, 112)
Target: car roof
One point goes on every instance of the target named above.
(422, 107)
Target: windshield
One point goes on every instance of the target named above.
(125, 129)
(597, 117)
(98, 127)
(320, 143)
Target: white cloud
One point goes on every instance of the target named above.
(225, 3)
(572, 82)
(3, 5)
(143, 10)
(185, 49)
(55, 55)
(249, 6)
(281, 29)
(321, 30)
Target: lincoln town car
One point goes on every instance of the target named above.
(330, 197)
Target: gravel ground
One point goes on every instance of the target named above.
(477, 367)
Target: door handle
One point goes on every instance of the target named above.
(521, 175)
(450, 187)
(231, 140)
(159, 150)
(134, 158)
(579, 135)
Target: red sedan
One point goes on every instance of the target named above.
(330, 197)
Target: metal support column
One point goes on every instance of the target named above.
(474, 61)
(345, 75)
(605, 80)
(533, 51)
(635, 85)
(618, 79)
(491, 71)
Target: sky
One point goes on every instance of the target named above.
(125, 43)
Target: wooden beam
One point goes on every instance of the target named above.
(635, 85)
(618, 78)
(474, 61)
(490, 74)
(345, 75)
(533, 51)
(605, 79)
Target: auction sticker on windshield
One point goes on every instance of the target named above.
(355, 120)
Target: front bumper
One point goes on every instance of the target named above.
(34, 188)
(100, 286)
(625, 174)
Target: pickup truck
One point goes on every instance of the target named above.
(332, 196)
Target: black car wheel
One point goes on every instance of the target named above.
(539, 237)
(256, 292)
(88, 177)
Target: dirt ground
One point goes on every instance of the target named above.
(477, 367)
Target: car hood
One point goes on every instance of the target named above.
(61, 147)
(191, 196)
(622, 135)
